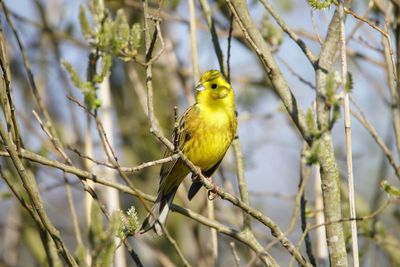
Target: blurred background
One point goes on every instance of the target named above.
(51, 33)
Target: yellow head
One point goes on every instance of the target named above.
(214, 90)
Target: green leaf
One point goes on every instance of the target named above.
(320, 4)
(106, 64)
(330, 86)
(310, 120)
(271, 34)
(96, 227)
(130, 223)
(390, 189)
(104, 35)
(84, 23)
(135, 35)
(76, 80)
(97, 9)
(89, 93)
(311, 155)
(80, 255)
(120, 33)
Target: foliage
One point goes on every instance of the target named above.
(130, 223)
(102, 238)
(311, 155)
(391, 190)
(320, 4)
(108, 38)
(270, 32)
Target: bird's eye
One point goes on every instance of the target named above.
(214, 86)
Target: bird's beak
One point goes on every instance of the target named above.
(200, 87)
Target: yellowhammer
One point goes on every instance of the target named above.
(205, 132)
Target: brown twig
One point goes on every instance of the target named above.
(363, 218)
(31, 78)
(8, 105)
(31, 188)
(372, 131)
(307, 52)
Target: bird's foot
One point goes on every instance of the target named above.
(212, 194)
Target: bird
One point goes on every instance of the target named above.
(204, 133)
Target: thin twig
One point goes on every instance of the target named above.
(175, 245)
(72, 209)
(9, 108)
(372, 131)
(83, 174)
(235, 254)
(363, 218)
(347, 128)
(214, 37)
(109, 151)
(393, 68)
(369, 23)
(52, 139)
(315, 26)
(31, 188)
(70, 200)
(298, 245)
(303, 207)
(240, 10)
(29, 72)
(294, 73)
(193, 39)
(228, 58)
(307, 52)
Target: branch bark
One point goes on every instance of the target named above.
(328, 167)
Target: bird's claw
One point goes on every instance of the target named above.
(211, 195)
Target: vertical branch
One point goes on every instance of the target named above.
(244, 195)
(88, 166)
(395, 99)
(213, 232)
(228, 57)
(88, 148)
(347, 128)
(193, 39)
(176, 247)
(303, 203)
(149, 74)
(330, 181)
(6, 93)
(74, 216)
(111, 194)
(322, 249)
(214, 37)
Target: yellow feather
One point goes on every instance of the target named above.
(205, 133)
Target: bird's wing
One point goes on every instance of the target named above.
(181, 136)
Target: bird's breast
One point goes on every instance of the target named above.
(210, 139)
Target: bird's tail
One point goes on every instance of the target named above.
(158, 214)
